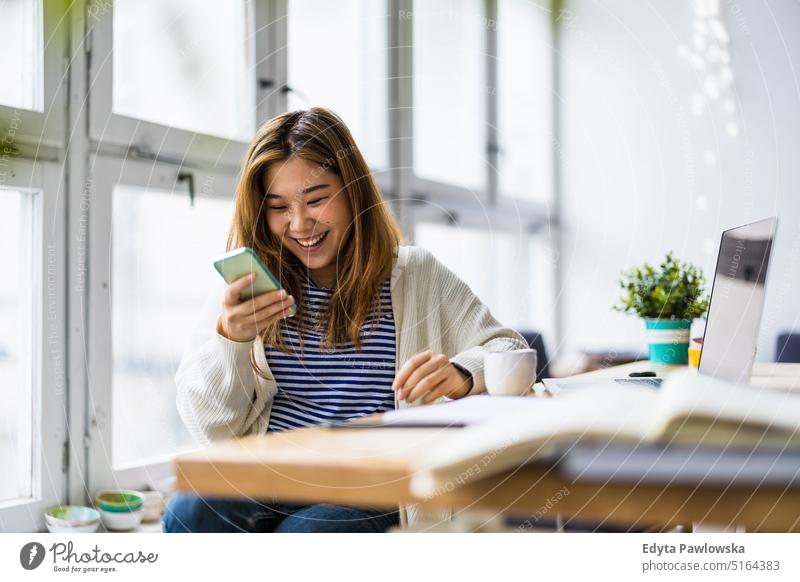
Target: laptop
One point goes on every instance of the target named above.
(734, 311)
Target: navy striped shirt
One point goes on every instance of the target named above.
(337, 385)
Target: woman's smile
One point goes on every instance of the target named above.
(312, 243)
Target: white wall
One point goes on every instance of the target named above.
(643, 174)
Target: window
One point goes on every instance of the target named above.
(162, 271)
(195, 69)
(177, 87)
(32, 350)
(21, 58)
(512, 273)
(524, 71)
(16, 357)
(450, 92)
(337, 58)
(33, 423)
(174, 84)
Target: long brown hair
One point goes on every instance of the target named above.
(319, 136)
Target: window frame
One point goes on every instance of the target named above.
(420, 200)
(496, 142)
(484, 206)
(108, 172)
(48, 439)
(147, 139)
(457, 196)
(540, 256)
(71, 182)
(113, 158)
(413, 198)
(41, 133)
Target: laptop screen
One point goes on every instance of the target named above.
(737, 301)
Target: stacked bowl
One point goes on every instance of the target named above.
(120, 509)
(71, 519)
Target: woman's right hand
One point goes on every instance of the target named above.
(241, 321)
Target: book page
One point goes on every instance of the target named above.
(702, 410)
(609, 411)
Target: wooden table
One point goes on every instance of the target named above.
(372, 467)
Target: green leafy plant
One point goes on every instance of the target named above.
(674, 290)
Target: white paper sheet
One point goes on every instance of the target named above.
(471, 410)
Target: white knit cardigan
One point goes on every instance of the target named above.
(220, 396)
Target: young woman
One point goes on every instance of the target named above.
(378, 326)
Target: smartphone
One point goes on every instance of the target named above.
(243, 261)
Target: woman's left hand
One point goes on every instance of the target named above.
(431, 376)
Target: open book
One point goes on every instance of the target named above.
(688, 409)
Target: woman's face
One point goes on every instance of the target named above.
(308, 210)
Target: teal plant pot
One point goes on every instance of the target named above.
(668, 340)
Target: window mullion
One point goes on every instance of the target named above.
(271, 58)
(401, 129)
(555, 215)
(492, 138)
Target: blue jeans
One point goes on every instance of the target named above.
(191, 513)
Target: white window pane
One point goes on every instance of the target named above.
(524, 69)
(21, 55)
(163, 250)
(354, 35)
(450, 91)
(186, 64)
(16, 316)
(511, 273)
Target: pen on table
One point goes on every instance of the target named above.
(396, 425)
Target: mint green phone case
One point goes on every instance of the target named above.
(243, 261)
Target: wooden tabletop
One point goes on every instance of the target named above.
(373, 467)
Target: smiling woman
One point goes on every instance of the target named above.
(303, 177)
(379, 325)
(307, 217)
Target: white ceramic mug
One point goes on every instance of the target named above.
(510, 373)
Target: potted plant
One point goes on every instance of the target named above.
(669, 298)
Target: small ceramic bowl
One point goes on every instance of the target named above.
(121, 520)
(69, 529)
(72, 519)
(122, 500)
